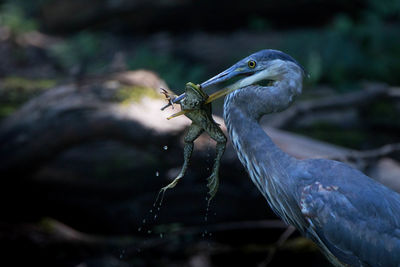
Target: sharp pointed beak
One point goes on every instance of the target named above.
(223, 76)
(227, 74)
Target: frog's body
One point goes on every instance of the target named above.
(200, 115)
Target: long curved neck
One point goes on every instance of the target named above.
(268, 166)
(255, 149)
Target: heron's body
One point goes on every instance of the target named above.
(338, 207)
(353, 219)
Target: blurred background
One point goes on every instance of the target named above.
(84, 147)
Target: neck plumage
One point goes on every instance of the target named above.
(267, 165)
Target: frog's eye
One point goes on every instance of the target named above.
(252, 64)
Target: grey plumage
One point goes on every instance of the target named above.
(353, 219)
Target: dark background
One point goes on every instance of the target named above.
(84, 148)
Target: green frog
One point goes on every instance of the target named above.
(194, 107)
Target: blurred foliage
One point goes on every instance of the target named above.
(92, 53)
(85, 51)
(353, 47)
(14, 18)
(14, 91)
(384, 9)
(258, 23)
(347, 52)
(176, 72)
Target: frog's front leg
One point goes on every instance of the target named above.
(194, 131)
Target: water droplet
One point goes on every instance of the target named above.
(139, 229)
(151, 211)
(149, 231)
(155, 216)
(144, 221)
(157, 173)
(165, 147)
(161, 235)
(202, 235)
(158, 208)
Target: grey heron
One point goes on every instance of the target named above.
(352, 218)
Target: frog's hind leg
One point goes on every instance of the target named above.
(193, 132)
(213, 180)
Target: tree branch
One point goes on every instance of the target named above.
(359, 98)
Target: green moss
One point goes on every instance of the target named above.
(129, 94)
(15, 82)
(14, 91)
(6, 110)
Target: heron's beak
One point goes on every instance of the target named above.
(251, 77)
(222, 77)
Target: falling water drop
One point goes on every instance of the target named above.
(151, 211)
(149, 231)
(139, 229)
(161, 235)
(165, 147)
(157, 173)
(207, 209)
(144, 221)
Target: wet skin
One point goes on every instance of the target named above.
(200, 115)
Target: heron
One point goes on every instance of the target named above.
(353, 219)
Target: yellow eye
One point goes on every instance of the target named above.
(252, 64)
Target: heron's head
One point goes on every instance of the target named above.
(268, 64)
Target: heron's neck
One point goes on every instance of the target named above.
(268, 166)
(255, 149)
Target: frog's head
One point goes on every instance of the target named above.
(196, 89)
(191, 85)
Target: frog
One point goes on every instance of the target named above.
(194, 107)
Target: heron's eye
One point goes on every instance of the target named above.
(252, 64)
